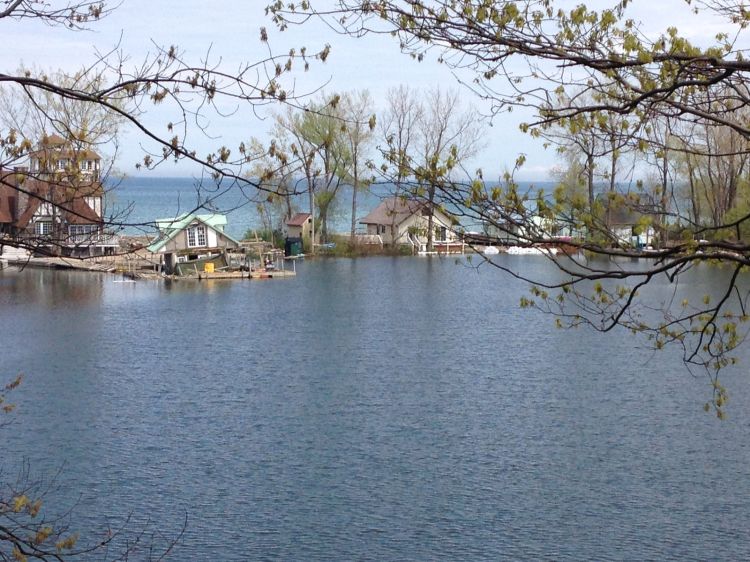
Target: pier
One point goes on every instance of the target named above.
(61, 263)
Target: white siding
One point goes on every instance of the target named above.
(212, 240)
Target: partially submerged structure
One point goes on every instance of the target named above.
(191, 238)
(631, 228)
(404, 221)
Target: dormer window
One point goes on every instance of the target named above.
(196, 236)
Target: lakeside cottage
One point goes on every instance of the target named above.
(190, 237)
(56, 202)
(400, 221)
(631, 228)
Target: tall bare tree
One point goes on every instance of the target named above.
(359, 124)
(448, 136)
(398, 128)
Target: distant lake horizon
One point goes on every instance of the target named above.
(136, 202)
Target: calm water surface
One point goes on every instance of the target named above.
(400, 409)
(135, 202)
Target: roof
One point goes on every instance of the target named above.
(54, 146)
(623, 215)
(7, 202)
(393, 210)
(169, 228)
(77, 154)
(8, 198)
(52, 140)
(28, 213)
(79, 212)
(21, 184)
(298, 220)
(216, 221)
(70, 200)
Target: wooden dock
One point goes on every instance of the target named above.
(259, 274)
(222, 275)
(62, 263)
(275, 274)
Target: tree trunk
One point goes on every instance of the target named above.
(355, 188)
(590, 179)
(311, 194)
(430, 218)
(663, 235)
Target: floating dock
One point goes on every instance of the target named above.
(276, 274)
(260, 274)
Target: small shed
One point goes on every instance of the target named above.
(298, 233)
(299, 226)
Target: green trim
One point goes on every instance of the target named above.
(169, 228)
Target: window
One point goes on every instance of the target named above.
(196, 236)
(82, 229)
(43, 228)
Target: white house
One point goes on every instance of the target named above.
(629, 229)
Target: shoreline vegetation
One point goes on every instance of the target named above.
(135, 261)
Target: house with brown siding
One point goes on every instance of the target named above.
(55, 204)
(401, 221)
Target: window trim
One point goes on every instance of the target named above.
(43, 228)
(197, 237)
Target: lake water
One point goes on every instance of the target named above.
(135, 202)
(380, 408)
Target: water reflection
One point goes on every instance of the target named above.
(50, 288)
(389, 408)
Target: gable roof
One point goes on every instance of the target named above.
(625, 215)
(6, 207)
(54, 147)
(393, 210)
(52, 140)
(73, 208)
(298, 219)
(80, 212)
(216, 221)
(169, 228)
(8, 199)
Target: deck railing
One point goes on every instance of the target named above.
(93, 239)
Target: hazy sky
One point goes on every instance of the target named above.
(230, 31)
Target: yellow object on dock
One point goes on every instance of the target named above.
(208, 267)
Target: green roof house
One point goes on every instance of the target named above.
(190, 237)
